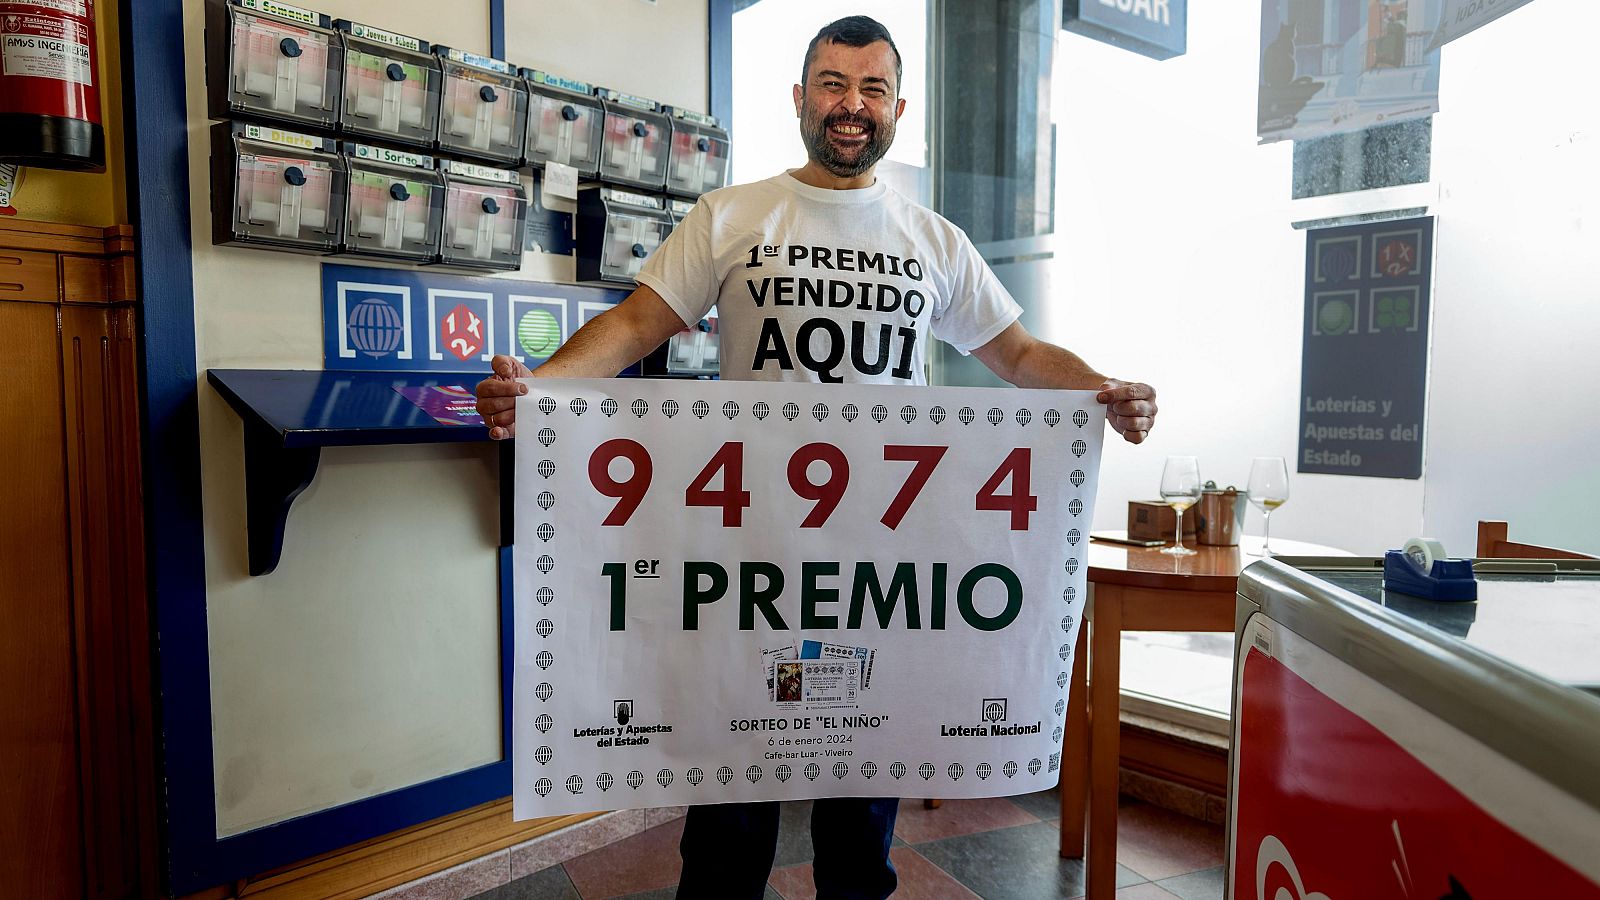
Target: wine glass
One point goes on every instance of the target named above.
(1269, 489)
(1180, 488)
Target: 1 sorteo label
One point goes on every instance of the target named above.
(47, 55)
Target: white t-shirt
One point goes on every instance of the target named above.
(812, 284)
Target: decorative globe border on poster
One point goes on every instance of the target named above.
(923, 776)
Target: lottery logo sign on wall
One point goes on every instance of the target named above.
(410, 321)
(732, 591)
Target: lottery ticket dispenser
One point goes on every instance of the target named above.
(565, 122)
(396, 204)
(617, 231)
(274, 61)
(483, 107)
(633, 152)
(485, 212)
(275, 188)
(391, 85)
(698, 161)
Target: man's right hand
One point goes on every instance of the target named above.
(497, 396)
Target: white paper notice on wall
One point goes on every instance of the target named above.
(734, 591)
(560, 180)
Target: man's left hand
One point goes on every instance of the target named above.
(1130, 408)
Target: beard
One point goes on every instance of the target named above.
(850, 161)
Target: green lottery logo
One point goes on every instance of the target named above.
(538, 333)
(1393, 311)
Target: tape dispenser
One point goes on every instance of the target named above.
(1422, 569)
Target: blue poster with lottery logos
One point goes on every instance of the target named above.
(402, 320)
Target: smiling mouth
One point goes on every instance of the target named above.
(848, 132)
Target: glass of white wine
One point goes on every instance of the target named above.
(1180, 488)
(1269, 489)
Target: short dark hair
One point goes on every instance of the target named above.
(851, 31)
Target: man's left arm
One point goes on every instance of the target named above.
(1027, 362)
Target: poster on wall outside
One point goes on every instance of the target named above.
(1337, 66)
(735, 591)
(1364, 362)
(1463, 16)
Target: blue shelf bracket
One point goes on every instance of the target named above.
(274, 475)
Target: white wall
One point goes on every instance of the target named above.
(370, 659)
(1180, 262)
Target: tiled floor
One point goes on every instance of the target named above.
(998, 849)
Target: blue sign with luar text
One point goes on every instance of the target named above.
(1158, 29)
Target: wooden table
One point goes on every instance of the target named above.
(1135, 589)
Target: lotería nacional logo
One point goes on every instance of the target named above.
(995, 710)
(623, 710)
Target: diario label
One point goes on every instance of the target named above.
(280, 136)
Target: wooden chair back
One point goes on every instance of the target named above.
(1492, 544)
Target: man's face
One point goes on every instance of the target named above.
(848, 107)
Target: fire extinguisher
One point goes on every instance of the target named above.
(49, 105)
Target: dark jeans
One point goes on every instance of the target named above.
(728, 849)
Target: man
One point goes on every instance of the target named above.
(819, 274)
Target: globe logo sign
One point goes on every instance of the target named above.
(812, 771)
(545, 628)
(1074, 536)
(1056, 735)
(1065, 652)
(927, 771)
(544, 691)
(547, 405)
(1077, 478)
(639, 408)
(1072, 566)
(604, 781)
(579, 406)
(1024, 417)
(545, 563)
(701, 409)
(782, 772)
(840, 770)
(955, 771)
(1080, 418)
(545, 659)
(1066, 624)
(908, 414)
(819, 411)
(753, 773)
(544, 754)
(374, 327)
(575, 784)
(936, 414)
(730, 409)
(547, 436)
(635, 778)
(546, 500)
(897, 770)
(1069, 595)
(1034, 766)
(669, 408)
(1079, 448)
(966, 415)
(543, 787)
(545, 531)
(664, 777)
(849, 412)
(546, 468)
(609, 407)
(995, 416)
(1061, 680)
(1061, 707)
(790, 411)
(544, 596)
(1052, 418)
(694, 776)
(994, 710)
(1075, 506)
(983, 770)
(869, 769)
(880, 412)
(759, 409)
(1010, 768)
(544, 723)
(538, 333)
(724, 774)
(1338, 263)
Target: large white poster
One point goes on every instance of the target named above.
(731, 591)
